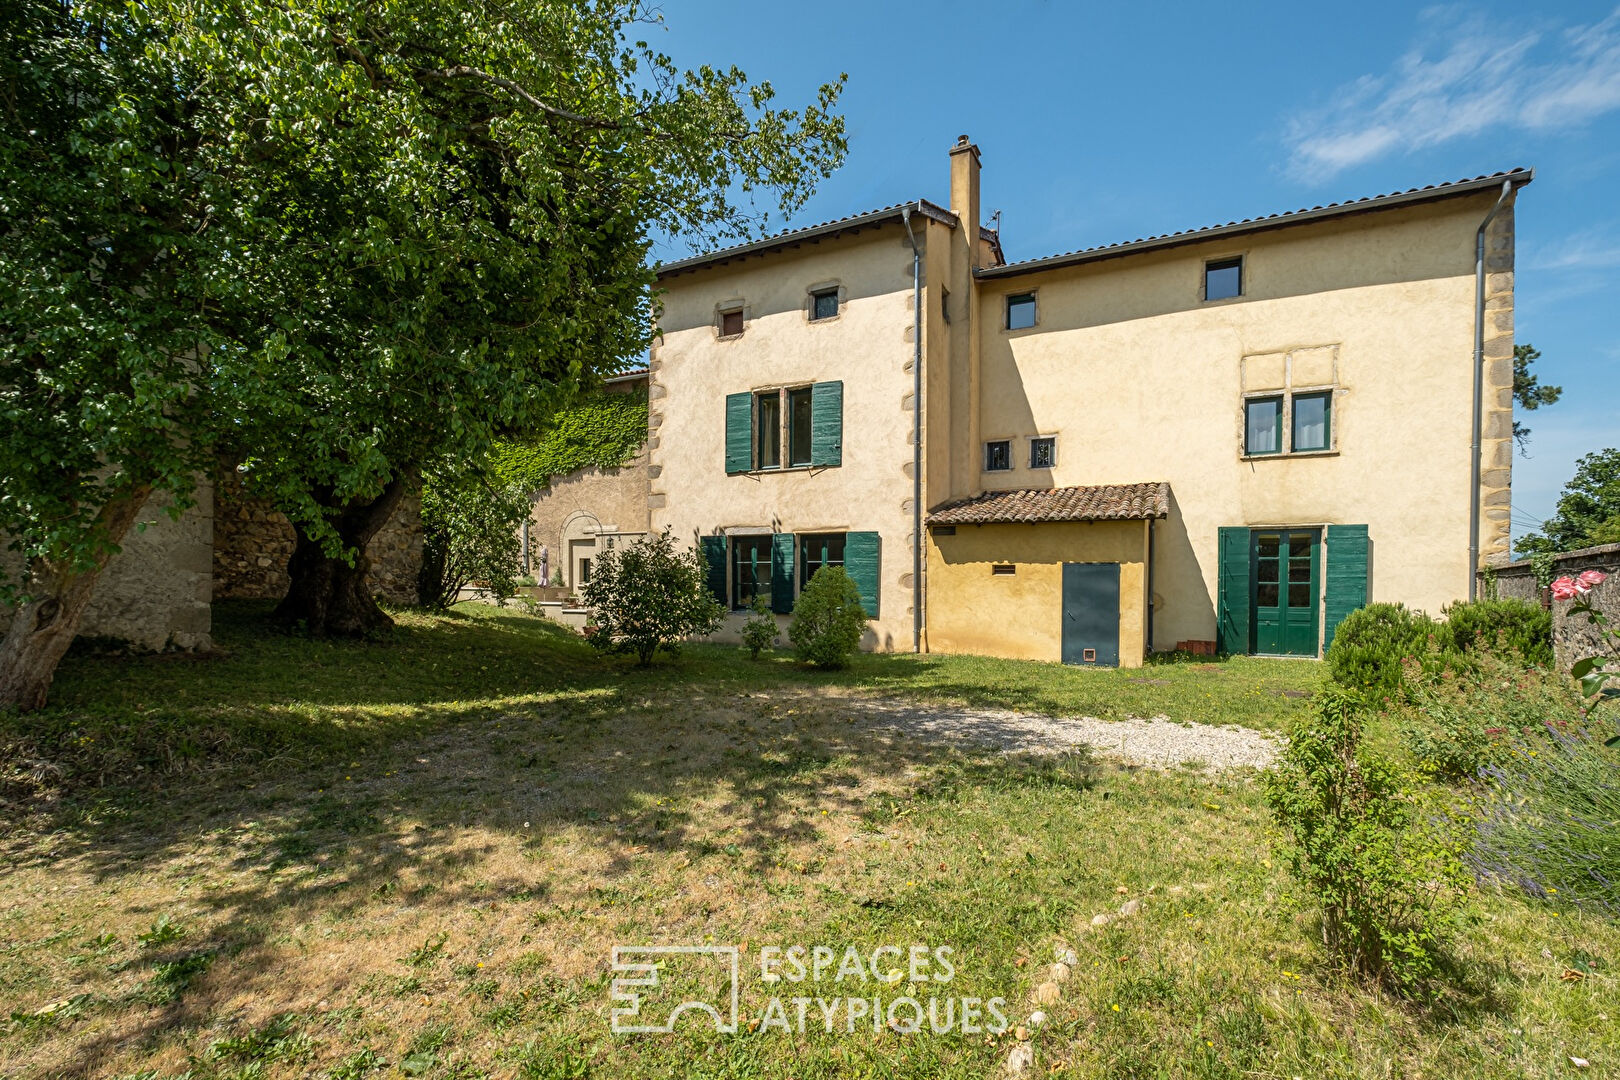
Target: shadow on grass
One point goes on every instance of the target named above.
(326, 778)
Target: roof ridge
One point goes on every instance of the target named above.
(881, 215)
(1365, 202)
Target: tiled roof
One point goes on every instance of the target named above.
(880, 216)
(1270, 221)
(1098, 502)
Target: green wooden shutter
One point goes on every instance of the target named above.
(739, 432)
(862, 562)
(1232, 611)
(1347, 549)
(714, 553)
(827, 423)
(782, 573)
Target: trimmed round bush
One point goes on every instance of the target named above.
(1373, 642)
(1509, 626)
(828, 620)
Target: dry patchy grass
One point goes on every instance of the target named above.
(430, 885)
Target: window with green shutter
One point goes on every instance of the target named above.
(862, 562)
(827, 424)
(782, 573)
(1348, 558)
(1232, 588)
(739, 432)
(714, 554)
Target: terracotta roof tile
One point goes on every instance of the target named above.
(1098, 502)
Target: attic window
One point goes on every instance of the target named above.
(1223, 278)
(1003, 569)
(1021, 311)
(824, 304)
(731, 323)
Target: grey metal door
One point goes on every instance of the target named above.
(1091, 614)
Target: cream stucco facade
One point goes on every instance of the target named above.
(1136, 376)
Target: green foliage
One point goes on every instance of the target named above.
(1464, 720)
(603, 430)
(1549, 818)
(1528, 392)
(1358, 837)
(828, 619)
(470, 524)
(1509, 626)
(649, 596)
(1588, 511)
(348, 238)
(1372, 644)
(102, 283)
(760, 631)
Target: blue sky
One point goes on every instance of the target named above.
(1105, 122)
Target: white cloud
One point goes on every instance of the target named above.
(1466, 76)
(1589, 249)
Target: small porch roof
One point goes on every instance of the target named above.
(1095, 502)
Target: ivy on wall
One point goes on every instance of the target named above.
(604, 430)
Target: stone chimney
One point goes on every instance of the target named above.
(965, 194)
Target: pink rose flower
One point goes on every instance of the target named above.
(1590, 579)
(1564, 589)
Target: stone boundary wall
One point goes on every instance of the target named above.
(1573, 638)
(154, 594)
(253, 541)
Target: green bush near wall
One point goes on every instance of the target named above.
(1514, 626)
(1380, 646)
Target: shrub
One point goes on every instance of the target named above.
(648, 596)
(1385, 873)
(1372, 644)
(828, 620)
(1506, 626)
(470, 527)
(1549, 818)
(1463, 721)
(760, 632)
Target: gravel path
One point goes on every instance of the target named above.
(1159, 741)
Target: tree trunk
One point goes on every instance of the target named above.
(329, 597)
(42, 629)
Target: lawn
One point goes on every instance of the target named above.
(414, 857)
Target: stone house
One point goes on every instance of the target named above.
(1223, 438)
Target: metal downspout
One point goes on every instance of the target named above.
(916, 435)
(1479, 389)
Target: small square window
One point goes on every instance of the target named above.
(1003, 569)
(1021, 311)
(1313, 421)
(1043, 452)
(731, 323)
(1223, 278)
(1263, 426)
(824, 304)
(998, 456)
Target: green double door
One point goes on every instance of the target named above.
(1286, 568)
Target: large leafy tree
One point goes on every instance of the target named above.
(102, 290)
(1588, 511)
(342, 237)
(449, 224)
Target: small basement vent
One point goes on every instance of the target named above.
(1004, 568)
